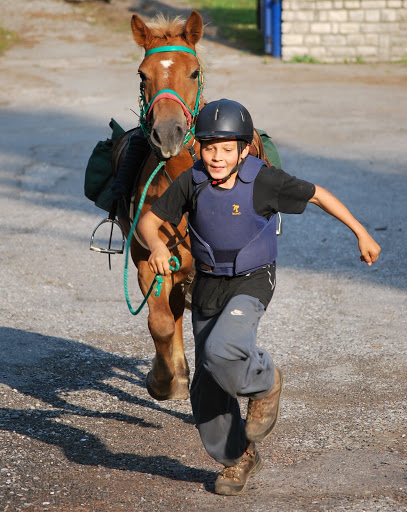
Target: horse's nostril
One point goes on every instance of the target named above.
(155, 137)
(178, 133)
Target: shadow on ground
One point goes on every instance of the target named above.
(46, 368)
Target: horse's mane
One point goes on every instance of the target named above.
(167, 28)
(164, 27)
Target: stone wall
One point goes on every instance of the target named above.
(344, 30)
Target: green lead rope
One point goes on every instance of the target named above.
(158, 279)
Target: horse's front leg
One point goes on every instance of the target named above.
(177, 305)
(167, 379)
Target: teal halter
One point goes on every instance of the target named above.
(162, 49)
(146, 108)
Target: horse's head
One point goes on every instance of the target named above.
(171, 81)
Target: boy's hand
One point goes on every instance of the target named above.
(369, 249)
(148, 231)
(158, 260)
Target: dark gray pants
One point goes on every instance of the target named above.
(228, 365)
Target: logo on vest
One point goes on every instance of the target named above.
(236, 210)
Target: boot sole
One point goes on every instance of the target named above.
(265, 435)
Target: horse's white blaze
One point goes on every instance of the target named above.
(166, 64)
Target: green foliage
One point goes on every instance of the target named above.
(305, 58)
(7, 39)
(237, 21)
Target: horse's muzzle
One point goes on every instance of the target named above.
(168, 138)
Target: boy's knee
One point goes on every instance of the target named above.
(218, 354)
(225, 372)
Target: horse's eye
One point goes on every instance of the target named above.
(195, 74)
(142, 76)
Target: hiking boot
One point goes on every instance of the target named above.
(233, 480)
(262, 414)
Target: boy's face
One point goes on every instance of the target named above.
(220, 156)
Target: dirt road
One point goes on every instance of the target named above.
(78, 430)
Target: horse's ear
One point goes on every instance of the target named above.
(141, 33)
(193, 30)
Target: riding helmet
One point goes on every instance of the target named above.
(224, 119)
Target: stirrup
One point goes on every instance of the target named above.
(108, 250)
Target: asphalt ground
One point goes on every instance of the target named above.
(78, 430)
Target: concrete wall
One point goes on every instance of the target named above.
(345, 30)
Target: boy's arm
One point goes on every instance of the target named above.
(147, 228)
(369, 249)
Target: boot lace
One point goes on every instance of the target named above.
(255, 409)
(233, 472)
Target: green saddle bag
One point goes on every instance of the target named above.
(99, 170)
(270, 149)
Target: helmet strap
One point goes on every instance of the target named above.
(236, 168)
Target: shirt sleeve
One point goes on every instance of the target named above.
(276, 191)
(175, 201)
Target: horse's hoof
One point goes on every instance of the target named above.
(181, 391)
(176, 389)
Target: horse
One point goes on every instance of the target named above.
(171, 84)
(171, 95)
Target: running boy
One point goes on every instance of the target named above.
(232, 199)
